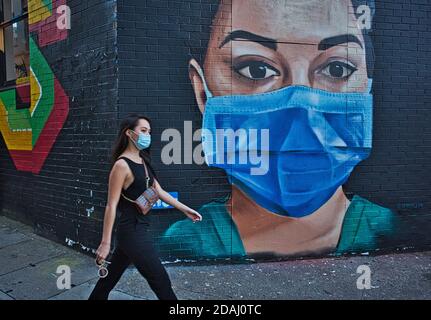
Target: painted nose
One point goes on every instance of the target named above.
(299, 75)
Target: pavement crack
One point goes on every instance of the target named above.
(32, 265)
(7, 294)
(16, 243)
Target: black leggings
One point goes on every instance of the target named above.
(135, 246)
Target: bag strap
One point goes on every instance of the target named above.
(147, 176)
(127, 198)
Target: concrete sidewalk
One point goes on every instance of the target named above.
(29, 263)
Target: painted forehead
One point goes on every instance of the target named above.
(306, 21)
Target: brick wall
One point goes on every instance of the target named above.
(155, 40)
(158, 38)
(396, 173)
(132, 56)
(66, 198)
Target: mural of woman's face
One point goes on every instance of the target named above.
(262, 45)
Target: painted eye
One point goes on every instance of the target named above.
(338, 70)
(257, 70)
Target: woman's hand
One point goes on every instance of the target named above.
(102, 252)
(166, 197)
(193, 215)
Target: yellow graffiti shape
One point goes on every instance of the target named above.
(37, 11)
(35, 90)
(15, 139)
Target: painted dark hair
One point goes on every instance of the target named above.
(130, 122)
(369, 48)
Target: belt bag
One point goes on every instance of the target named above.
(148, 198)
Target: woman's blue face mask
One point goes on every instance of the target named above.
(143, 142)
(314, 139)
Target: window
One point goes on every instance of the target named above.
(14, 49)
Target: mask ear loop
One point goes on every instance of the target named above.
(207, 90)
(209, 96)
(130, 130)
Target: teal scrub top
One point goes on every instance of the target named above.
(217, 235)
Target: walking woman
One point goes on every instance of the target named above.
(127, 181)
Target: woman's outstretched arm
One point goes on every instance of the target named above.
(167, 198)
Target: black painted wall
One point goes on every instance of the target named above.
(157, 39)
(132, 56)
(66, 199)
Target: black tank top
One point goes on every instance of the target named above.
(128, 211)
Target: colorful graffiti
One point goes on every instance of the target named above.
(306, 79)
(43, 13)
(33, 114)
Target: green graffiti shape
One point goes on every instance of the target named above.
(48, 4)
(45, 77)
(17, 119)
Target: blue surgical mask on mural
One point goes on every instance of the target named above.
(316, 138)
(143, 142)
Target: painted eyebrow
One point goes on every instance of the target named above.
(327, 43)
(245, 35)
